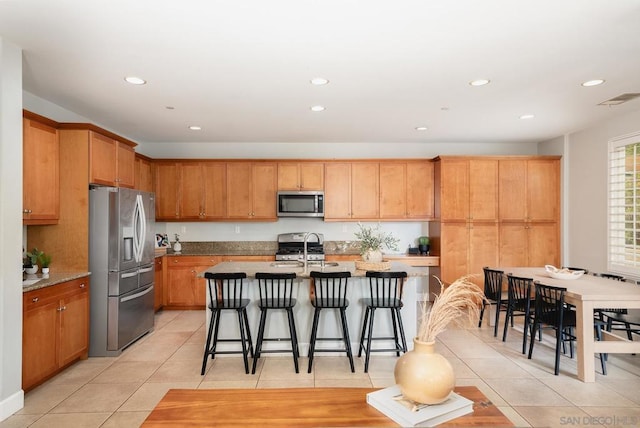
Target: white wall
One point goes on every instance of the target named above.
(11, 394)
(587, 190)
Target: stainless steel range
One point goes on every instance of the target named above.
(291, 246)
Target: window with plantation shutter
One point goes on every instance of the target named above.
(624, 205)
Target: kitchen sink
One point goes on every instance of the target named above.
(287, 264)
(320, 264)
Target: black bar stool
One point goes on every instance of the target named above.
(276, 291)
(329, 291)
(225, 294)
(385, 289)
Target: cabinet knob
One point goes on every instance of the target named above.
(82, 285)
(26, 211)
(62, 308)
(35, 299)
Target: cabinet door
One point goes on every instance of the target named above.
(455, 246)
(513, 245)
(543, 244)
(166, 191)
(419, 190)
(264, 191)
(102, 159)
(337, 193)
(74, 323)
(543, 190)
(365, 190)
(191, 191)
(41, 174)
(39, 340)
(143, 175)
(454, 190)
(483, 248)
(125, 166)
(239, 183)
(215, 190)
(393, 190)
(483, 189)
(288, 176)
(180, 290)
(158, 283)
(312, 176)
(512, 190)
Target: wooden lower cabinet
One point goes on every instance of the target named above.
(158, 283)
(55, 329)
(184, 290)
(529, 244)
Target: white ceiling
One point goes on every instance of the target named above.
(241, 68)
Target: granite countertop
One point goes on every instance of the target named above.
(250, 268)
(39, 280)
(253, 248)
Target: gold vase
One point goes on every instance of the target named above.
(423, 375)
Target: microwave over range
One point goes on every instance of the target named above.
(301, 204)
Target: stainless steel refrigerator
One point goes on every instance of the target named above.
(121, 261)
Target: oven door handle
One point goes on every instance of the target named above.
(135, 296)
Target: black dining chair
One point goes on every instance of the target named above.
(225, 294)
(552, 312)
(493, 292)
(276, 293)
(385, 292)
(329, 291)
(519, 303)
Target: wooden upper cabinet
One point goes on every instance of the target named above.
(468, 189)
(41, 173)
(166, 188)
(300, 176)
(529, 189)
(111, 162)
(143, 174)
(251, 190)
(406, 190)
(190, 195)
(215, 190)
(352, 191)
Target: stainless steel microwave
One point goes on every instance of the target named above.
(301, 204)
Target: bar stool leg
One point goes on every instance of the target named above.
(362, 334)
(404, 341)
(347, 340)
(256, 355)
(248, 330)
(243, 340)
(314, 334)
(370, 332)
(208, 344)
(294, 338)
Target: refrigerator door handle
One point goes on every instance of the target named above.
(135, 296)
(128, 275)
(139, 228)
(145, 270)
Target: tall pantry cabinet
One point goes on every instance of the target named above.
(495, 211)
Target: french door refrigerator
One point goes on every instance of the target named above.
(121, 262)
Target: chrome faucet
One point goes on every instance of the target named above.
(306, 239)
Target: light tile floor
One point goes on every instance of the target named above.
(120, 392)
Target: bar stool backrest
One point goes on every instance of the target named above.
(550, 304)
(225, 289)
(386, 288)
(519, 292)
(330, 288)
(276, 289)
(493, 284)
(612, 276)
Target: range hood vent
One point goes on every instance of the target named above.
(620, 99)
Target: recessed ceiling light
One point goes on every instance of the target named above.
(527, 116)
(135, 80)
(594, 82)
(479, 82)
(317, 108)
(195, 128)
(421, 128)
(319, 81)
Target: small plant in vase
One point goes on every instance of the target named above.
(45, 261)
(373, 240)
(423, 245)
(423, 375)
(31, 265)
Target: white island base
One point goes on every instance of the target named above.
(329, 325)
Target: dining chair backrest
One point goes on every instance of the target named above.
(329, 288)
(225, 289)
(549, 305)
(493, 284)
(276, 289)
(612, 276)
(586, 271)
(519, 290)
(386, 287)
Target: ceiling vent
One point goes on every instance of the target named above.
(619, 99)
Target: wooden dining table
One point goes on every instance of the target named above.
(587, 293)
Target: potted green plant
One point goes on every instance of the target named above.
(33, 256)
(423, 245)
(45, 261)
(373, 240)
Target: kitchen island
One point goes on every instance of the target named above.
(303, 311)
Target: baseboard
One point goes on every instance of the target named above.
(11, 404)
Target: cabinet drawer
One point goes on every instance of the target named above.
(36, 298)
(192, 260)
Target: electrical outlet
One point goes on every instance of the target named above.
(344, 228)
(237, 229)
(183, 229)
